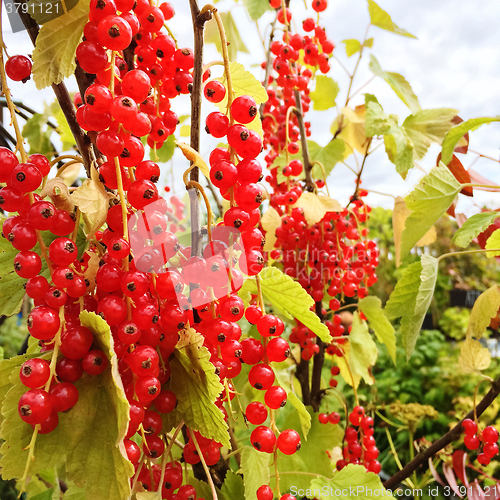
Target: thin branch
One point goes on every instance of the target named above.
(450, 436)
(61, 92)
(198, 27)
(310, 184)
(319, 359)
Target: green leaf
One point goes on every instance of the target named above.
(202, 488)
(333, 153)
(46, 495)
(233, 486)
(255, 469)
(324, 94)
(472, 227)
(88, 439)
(428, 201)
(256, 8)
(484, 310)
(397, 82)
(54, 54)
(352, 46)
(328, 156)
(428, 126)
(292, 300)
(196, 387)
(43, 11)
(371, 307)
(65, 134)
(381, 19)
(235, 42)
(312, 456)
(37, 133)
(411, 299)
(11, 285)
(164, 153)
(456, 133)
(363, 350)
(352, 481)
(304, 415)
(493, 243)
(376, 120)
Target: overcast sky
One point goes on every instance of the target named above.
(453, 63)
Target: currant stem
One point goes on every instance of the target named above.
(463, 252)
(205, 467)
(78, 159)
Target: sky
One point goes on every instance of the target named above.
(452, 64)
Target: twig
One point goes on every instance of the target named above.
(310, 185)
(450, 436)
(319, 359)
(198, 27)
(62, 95)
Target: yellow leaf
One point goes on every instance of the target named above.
(484, 310)
(428, 238)
(92, 200)
(473, 357)
(270, 221)
(57, 190)
(493, 243)
(189, 336)
(315, 207)
(56, 43)
(399, 215)
(185, 131)
(91, 271)
(330, 204)
(194, 157)
(71, 174)
(353, 129)
(349, 377)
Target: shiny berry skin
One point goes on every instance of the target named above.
(18, 68)
(261, 377)
(334, 418)
(147, 388)
(319, 5)
(265, 493)
(133, 451)
(63, 251)
(244, 109)
(95, 362)
(490, 435)
(22, 236)
(483, 459)
(112, 309)
(143, 361)
(43, 322)
(34, 373)
(323, 418)
(214, 91)
(8, 160)
(114, 33)
(37, 287)
(76, 342)
(263, 439)
(471, 442)
(154, 446)
(35, 406)
(41, 215)
(27, 264)
(490, 449)
(63, 396)
(69, 370)
(374, 466)
(152, 423)
(48, 425)
(289, 442)
(278, 349)
(142, 193)
(256, 413)
(25, 177)
(275, 397)
(217, 124)
(470, 427)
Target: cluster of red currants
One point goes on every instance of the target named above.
(488, 437)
